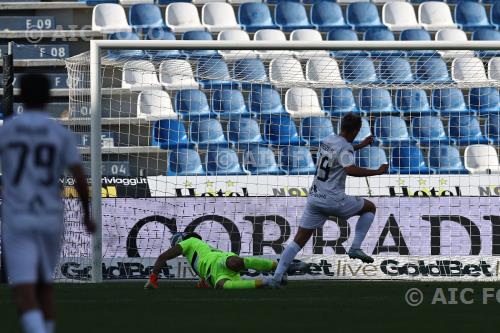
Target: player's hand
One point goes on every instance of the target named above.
(152, 282)
(383, 169)
(367, 141)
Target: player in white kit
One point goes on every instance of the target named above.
(327, 195)
(35, 151)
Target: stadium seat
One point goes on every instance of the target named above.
(135, 2)
(364, 132)
(198, 35)
(327, 15)
(429, 131)
(417, 34)
(339, 101)
(363, 15)
(307, 35)
(297, 161)
(471, 16)
(314, 130)
(162, 34)
(413, 102)
(359, 70)
(346, 35)
(271, 36)
(250, 72)
(431, 70)
(108, 18)
(155, 105)
(202, 2)
(492, 127)
(371, 157)
(145, 16)
(207, 131)
(449, 101)
(480, 159)
(302, 102)
(177, 74)
(219, 16)
(213, 73)
(125, 54)
(170, 134)
(446, 160)
(495, 15)
(465, 129)
(494, 69)
(235, 35)
(139, 75)
(376, 101)
(486, 34)
(453, 35)
(399, 16)
(285, 72)
(229, 102)
(281, 130)
(181, 17)
(222, 161)
(290, 16)
(395, 71)
(484, 100)
(242, 1)
(259, 160)
(382, 35)
(166, 2)
(244, 131)
(351, 1)
(468, 70)
(408, 160)
(323, 71)
(264, 100)
(392, 131)
(435, 15)
(185, 162)
(255, 16)
(191, 103)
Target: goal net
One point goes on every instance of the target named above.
(224, 142)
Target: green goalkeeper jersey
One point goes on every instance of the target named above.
(200, 256)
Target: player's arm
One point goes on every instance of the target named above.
(83, 193)
(355, 171)
(171, 253)
(366, 142)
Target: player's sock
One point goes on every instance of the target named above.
(362, 227)
(50, 326)
(258, 264)
(240, 284)
(287, 257)
(32, 321)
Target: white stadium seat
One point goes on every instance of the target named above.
(177, 74)
(201, 2)
(324, 72)
(235, 35)
(384, 1)
(140, 75)
(285, 72)
(481, 159)
(435, 15)
(494, 69)
(271, 35)
(307, 35)
(219, 16)
(351, 1)
(399, 16)
(109, 18)
(242, 1)
(453, 35)
(302, 102)
(182, 17)
(155, 105)
(468, 70)
(134, 2)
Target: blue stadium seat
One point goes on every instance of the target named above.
(392, 131)
(281, 130)
(492, 127)
(212, 73)
(345, 35)
(495, 14)
(371, 157)
(429, 131)
(408, 160)
(297, 161)
(260, 160)
(290, 16)
(466, 131)
(395, 71)
(417, 34)
(432, 70)
(170, 134)
(207, 131)
(359, 70)
(314, 130)
(251, 73)
(191, 103)
(486, 34)
(471, 16)
(364, 132)
(244, 131)
(363, 15)
(484, 100)
(185, 162)
(198, 35)
(253, 16)
(413, 102)
(96, 2)
(384, 35)
(339, 101)
(229, 102)
(446, 160)
(264, 100)
(327, 15)
(162, 34)
(376, 101)
(128, 54)
(449, 101)
(144, 16)
(221, 161)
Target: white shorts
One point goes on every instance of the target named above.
(315, 216)
(31, 256)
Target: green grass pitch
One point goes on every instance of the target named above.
(324, 306)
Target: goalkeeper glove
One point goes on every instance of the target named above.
(152, 282)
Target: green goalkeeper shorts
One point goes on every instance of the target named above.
(218, 269)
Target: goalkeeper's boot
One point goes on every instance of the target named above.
(152, 282)
(359, 254)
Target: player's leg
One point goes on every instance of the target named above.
(45, 295)
(28, 308)
(238, 264)
(239, 284)
(366, 217)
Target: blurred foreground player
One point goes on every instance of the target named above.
(35, 151)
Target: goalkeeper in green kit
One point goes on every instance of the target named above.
(214, 267)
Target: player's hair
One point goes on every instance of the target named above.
(35, 90)
(350, 123)
(188, 235)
